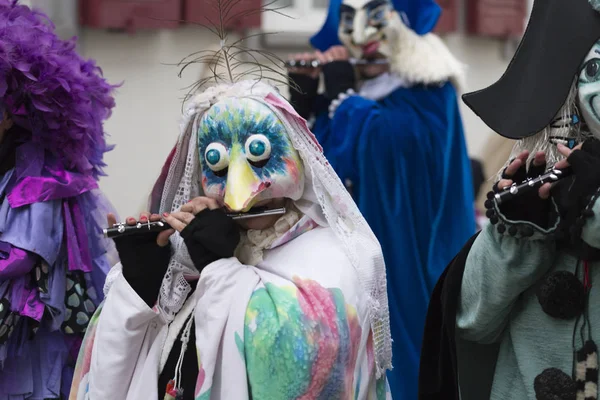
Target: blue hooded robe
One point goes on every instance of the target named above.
(411, 178)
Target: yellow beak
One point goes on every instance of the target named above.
(243, 185)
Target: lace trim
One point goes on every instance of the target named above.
(174, 329)
(254, 242)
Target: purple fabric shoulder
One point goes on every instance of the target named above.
(67, 233)
(37, 228)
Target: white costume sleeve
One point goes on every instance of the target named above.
(122, 328)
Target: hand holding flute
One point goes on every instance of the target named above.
(163, 225)
(311, 63)
(523, 193)
(146, 223)
(517, 202)
(208, 233)
(306, 63)
(155, 224)
(517, 173)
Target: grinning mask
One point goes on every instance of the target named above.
(394, 30)
(369, 28)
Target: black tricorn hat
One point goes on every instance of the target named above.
(559, 35)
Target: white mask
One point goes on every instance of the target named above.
(369, 28)
(588, 89)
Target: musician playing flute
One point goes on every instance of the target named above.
(391, 128)
(53, 259)
(517, 315)
(272, 307)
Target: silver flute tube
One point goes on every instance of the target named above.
(516, 190)
(123, 229)
(316, 63)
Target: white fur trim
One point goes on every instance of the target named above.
(424, 59)
(592, 361)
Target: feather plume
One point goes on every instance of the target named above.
(232, 60)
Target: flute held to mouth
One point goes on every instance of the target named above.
(124, 229)
(316, 63)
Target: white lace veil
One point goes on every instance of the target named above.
(324, 199)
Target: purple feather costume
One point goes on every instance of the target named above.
(53, 259)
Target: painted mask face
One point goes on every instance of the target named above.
(246, 155)
(368, 28)
(588, 89)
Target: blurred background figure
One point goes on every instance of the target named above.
(53, 258)
(389, 124)
(140, 43)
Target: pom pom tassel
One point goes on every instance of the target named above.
(553, 384)
(172, 393)
(561, 295)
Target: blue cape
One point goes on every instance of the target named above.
(419, 15)
(411, 174)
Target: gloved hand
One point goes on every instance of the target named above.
(207, 231)
(338, 74)
(303, 93)
(304, 84)
(144, 257)
(535, 206)
(574, 194)
(210, 236)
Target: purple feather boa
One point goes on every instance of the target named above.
(49, 90)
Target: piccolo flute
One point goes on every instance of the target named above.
(515, 190)
(122, 229)
(317, 63)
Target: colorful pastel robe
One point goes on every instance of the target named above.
(295, 326)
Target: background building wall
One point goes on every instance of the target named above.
(145, 122)
(144, 125)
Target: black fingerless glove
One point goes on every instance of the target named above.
(144, 264)
(528, 207)
(339, 77)
(303, 93)
(575, 194)
(210, 236)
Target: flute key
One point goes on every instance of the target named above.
(515, 190)
(123, 229)
(316, 63)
